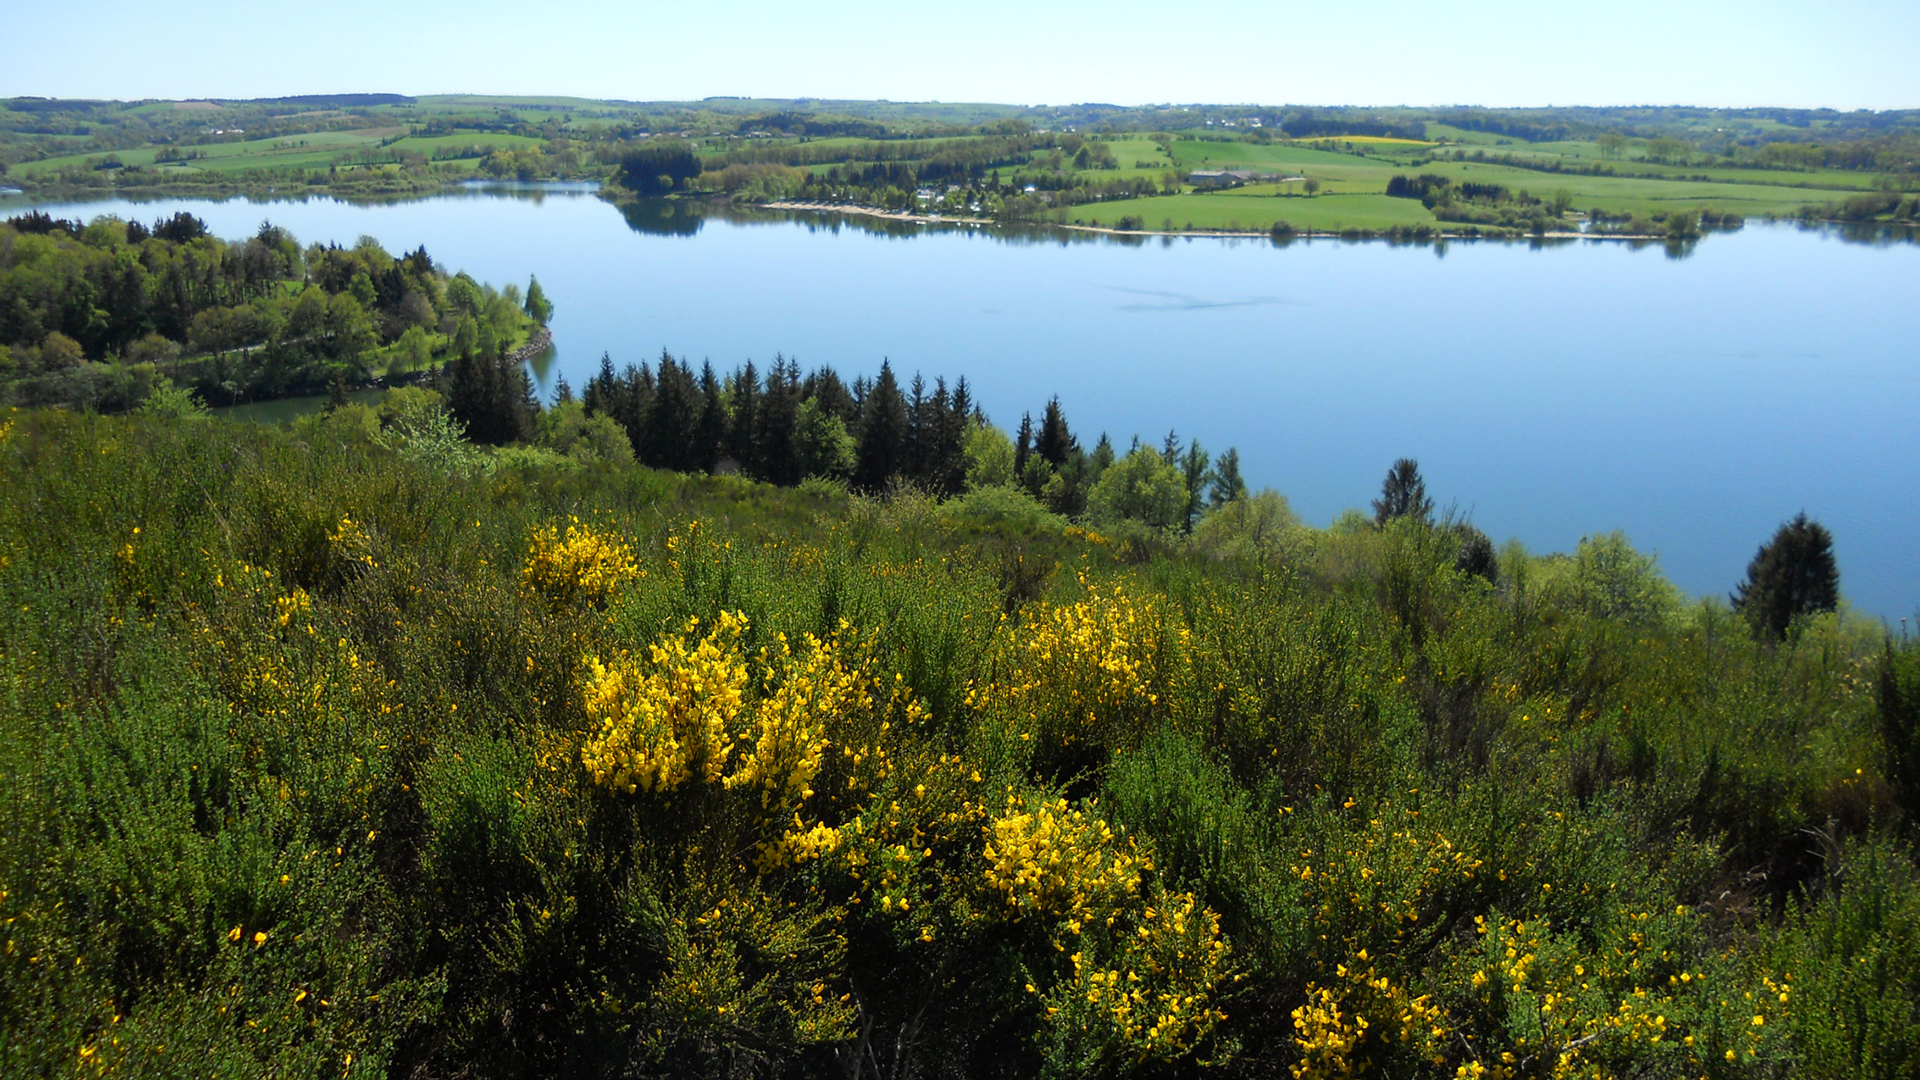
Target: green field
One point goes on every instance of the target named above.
(304, 151)
(1237, 212)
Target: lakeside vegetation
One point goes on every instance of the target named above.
(360, 747)
(1664, 172)
(97, 315)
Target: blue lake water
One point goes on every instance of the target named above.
(1695, 403)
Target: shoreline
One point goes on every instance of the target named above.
(1218, 234)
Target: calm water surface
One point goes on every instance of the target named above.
(1695, 403)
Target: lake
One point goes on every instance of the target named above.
(1694, 403)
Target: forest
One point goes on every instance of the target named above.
(773, 725)
(96, 315)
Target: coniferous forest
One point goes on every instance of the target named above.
(766, 724)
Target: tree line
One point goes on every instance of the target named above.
(786, 426)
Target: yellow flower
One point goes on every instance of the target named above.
(587, 567)
(656, 728)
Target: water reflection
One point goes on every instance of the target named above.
(677, 217)
(664, 217)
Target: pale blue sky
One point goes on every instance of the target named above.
(1842, 54)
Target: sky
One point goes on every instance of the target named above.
(1843, 54)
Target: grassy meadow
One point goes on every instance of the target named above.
(333, 752)
(1256, 210)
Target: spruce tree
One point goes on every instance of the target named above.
(773, 450)
(636, 403)
(1193, 469)
(919, 421)
(670, 421)
(1792, 575)
(710, 434)
(835, 399)
(1403, 494)
(946, 455)
(1101, 457)
(521, 403)
(883, 432)
(603, 390)
(460, 385)
(1224, 484)
(746, 418)
(1055, 443)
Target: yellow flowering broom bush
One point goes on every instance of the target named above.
(656, 725)
(585, 567)
(1079, 679)
(1048, 859)
(1532, 1001)
(1145, 991)
(696, 711)
(1363, 1023)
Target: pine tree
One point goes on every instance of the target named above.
(1792, 575)
(1476, 555)
(1403, 494)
